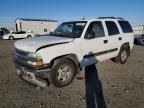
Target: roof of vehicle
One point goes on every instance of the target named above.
(103, 19)
(30, 19)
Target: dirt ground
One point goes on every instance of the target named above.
(107, 85)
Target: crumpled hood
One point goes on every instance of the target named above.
(32, 44)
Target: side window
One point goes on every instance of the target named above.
(126, 27)
(112, 28)
(96, 29)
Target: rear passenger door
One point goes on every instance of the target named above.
(114, 38)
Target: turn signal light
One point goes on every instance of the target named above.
(36, 63)
(39, 63)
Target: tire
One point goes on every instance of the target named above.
(123, 55)
(11, 38)
(62, 73)
(29, 36)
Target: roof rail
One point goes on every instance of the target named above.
(110, 18)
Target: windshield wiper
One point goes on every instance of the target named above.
(52, 34)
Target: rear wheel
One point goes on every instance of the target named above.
(62, 73)
(11, 37)
(123, 55)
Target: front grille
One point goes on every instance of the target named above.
(20, 52)
(20, 55)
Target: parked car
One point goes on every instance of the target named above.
(72, 46)
(16, 35)
(140, 40)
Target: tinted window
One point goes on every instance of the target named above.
(96, 28)
(112, 28)
(126, 27)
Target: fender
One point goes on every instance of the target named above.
(71, 57)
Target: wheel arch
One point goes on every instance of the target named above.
(127, 45)
(71, 57)
(29, 35)
(11, 36)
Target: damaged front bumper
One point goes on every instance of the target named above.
(28, 72)
(31, 77)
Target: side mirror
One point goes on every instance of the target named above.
(90, 36)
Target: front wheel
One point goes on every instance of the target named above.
(62, 73)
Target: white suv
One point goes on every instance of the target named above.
(72, 46)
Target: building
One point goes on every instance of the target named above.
(37, 26)
(138, 29)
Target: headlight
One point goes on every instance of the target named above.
(36, 60)
(34, 55)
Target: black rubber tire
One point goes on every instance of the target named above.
(29, 36)
(119, 59)
(11, 37)
(52, 76)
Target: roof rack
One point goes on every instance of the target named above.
(110, 18)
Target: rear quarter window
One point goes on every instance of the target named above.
(125, 26)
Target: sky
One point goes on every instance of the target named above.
(64, 10)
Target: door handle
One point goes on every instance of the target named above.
(105, 41)
(120, 38)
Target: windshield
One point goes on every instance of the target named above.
(70, 29)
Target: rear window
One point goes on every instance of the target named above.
(126, 27)
(112, 28)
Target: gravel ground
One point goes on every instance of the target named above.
(107, 85)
